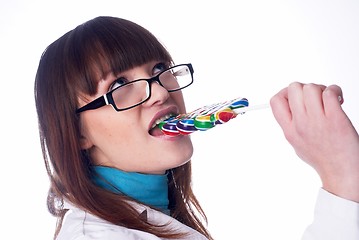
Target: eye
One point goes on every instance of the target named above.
(118, 83)
(158, 68)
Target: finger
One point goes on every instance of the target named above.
(296, 100)
(332, 100)
(313, 100)
(280, 108)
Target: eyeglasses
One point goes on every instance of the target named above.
(134, 93)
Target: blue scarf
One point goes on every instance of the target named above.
(149, 189)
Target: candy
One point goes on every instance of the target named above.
(186, 126)
(203, 118)
(203, 122)
(169, 127)
(223, 116)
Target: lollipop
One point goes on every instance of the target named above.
(205, 118)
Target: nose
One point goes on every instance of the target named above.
(159, 94)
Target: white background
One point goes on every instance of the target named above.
(247, 177)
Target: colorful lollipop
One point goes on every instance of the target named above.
(205, 118)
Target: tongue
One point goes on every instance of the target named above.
(156, 131)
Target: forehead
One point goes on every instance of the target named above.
(111, 47)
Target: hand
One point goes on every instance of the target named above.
(322, 135)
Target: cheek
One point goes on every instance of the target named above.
(102, 128)
(114, 131)
(118, 128)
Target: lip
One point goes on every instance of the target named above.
(168, 110)
(170, 138)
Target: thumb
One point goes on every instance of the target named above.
(332, 99)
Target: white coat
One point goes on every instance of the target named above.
(334, 219)
(80, 225)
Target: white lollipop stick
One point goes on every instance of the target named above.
(250, 108)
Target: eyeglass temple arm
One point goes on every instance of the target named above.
(97, 103)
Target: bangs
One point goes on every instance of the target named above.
(109, 45)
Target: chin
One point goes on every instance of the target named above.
(185, 156)
(176, 158)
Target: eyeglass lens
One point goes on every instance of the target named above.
(136, 92)
(176, 78)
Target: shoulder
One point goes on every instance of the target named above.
(81, 225)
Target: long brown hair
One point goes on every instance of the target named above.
(69, 67)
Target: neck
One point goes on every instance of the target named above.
(150, 189)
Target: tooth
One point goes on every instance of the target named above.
(161, 119)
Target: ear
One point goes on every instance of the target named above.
(85, 143)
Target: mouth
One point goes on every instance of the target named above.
(159, 118)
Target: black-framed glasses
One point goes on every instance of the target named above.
(136, 92)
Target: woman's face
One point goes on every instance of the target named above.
(124, 139)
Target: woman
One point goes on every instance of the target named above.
(101, 89)
(84, 64)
